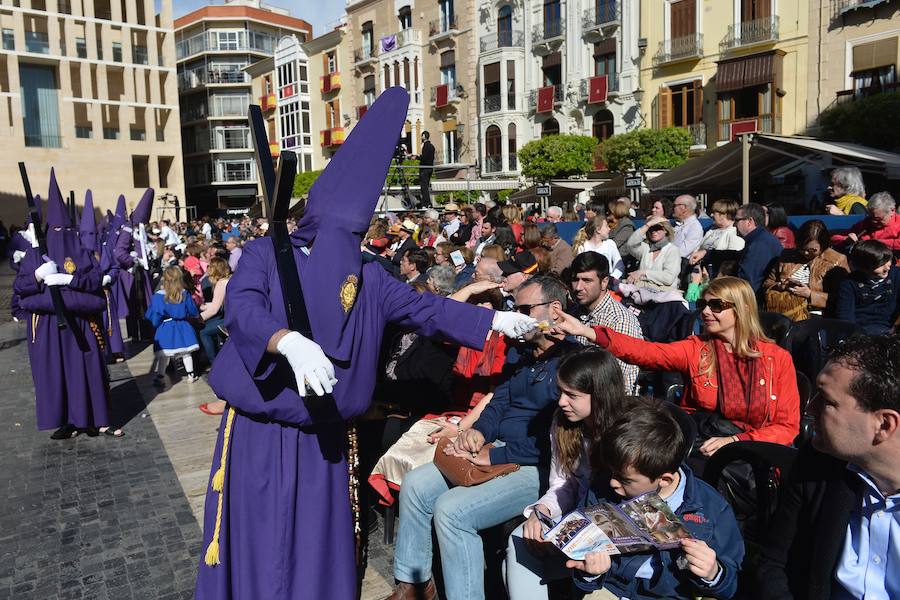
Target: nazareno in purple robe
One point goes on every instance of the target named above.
(286, 526)
(71, 386)
(116, 243)
(282, 527)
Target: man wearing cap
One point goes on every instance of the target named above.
(404, 232)
(278, 522)
(517, 270)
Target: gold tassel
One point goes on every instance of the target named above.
(218, 485)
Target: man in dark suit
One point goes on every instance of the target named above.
(426, 168)
(836, 533)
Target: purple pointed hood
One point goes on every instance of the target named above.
(338, 213)
(121, 211)
(87, 228)
(141, 213)
(57, 214)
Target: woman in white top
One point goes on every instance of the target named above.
(724, 235)
(592, 396)
(596, 233)
(660, 263)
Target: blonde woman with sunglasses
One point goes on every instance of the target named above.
(735, 378)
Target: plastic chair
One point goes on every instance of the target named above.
(810, 341)
(805, 387)
(776, 326)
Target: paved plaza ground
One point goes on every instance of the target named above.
(99, 518)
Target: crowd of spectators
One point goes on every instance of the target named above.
(634, 295)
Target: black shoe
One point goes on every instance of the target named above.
(90, 431)
(64, 433)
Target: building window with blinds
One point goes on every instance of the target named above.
(874, 67)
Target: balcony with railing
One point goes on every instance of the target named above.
(444, 94)
(559, 94)
(493, 164)
(749, 33)
(227, 77)
(840, 7)
(193, 113)
(237, 138)
(242, 41)
(229, 106)
(493, 103)
(584, 87)
(365, 55)
(844, 96)
(400, 40)
(760, 124)
(679, 49)
(330, 83)
(548, 31)
(444, 27)
(502, 39)
(698, 135)
(602, 19)
(331, 138)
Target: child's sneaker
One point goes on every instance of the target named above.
(193, 378)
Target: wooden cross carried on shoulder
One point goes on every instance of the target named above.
(277, 186)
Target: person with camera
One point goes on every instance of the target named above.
(426, 168)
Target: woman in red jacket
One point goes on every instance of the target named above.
(733, 368)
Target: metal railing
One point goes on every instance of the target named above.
(492, 103)
(365, 54)
(606, 13)
(612, 85)
(443, 25)
(502, 39)
(43, 141)
(839, 7)
(676, 49)
(244, 41)
(230, 139)
(698, 134)
(229, 107)
(757, 31)
(493, 164)
(855, 94)
(403, 38)
(764, 124)
(548, 30)
(559, 94)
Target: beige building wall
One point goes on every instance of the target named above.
(333, 110)
(848, 38)
(682, 74)
(101, 97)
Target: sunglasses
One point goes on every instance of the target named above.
(715, 305)
(525, 309)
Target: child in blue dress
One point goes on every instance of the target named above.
(169, 310)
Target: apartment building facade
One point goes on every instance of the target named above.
(214, 45)
(724, 67)
(88, 87)
(430, 48)
(554, 66)
(330, 75)
(853, 52)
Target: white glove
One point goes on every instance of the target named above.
(17, 255)
(48, 268)
(311, 367)
(513, 324)
(28, 234)
(106, 280)
(58, 279)
(133, 254)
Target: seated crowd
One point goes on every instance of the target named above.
(563, 418)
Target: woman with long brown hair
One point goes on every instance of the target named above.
(592, 396)
(738, 383)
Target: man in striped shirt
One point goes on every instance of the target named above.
(589, 282)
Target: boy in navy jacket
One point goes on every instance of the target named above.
(643, 451)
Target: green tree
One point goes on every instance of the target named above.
(871, 121)
(303, 182)
(557, 156)
(645, 149)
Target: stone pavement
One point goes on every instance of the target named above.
(110, 518)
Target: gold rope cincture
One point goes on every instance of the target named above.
(218, 485)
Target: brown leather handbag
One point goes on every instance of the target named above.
(460, 471)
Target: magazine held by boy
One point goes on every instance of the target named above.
(637, 525)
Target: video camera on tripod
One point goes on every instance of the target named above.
(400, 154)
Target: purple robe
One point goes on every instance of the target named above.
(110, 266)
(286, 523)
(70, 386)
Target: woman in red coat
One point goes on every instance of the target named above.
(733, 365)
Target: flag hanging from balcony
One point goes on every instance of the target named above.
(441, 94)
(545, 99)
(326, 83)
(361, 110)
(741, 127)
(597, 89)
(389, 43)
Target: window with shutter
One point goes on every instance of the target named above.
(664, 104)
(755, 9)
(683, 18)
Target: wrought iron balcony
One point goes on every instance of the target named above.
(451, 94)
(492, 103)
(443, 27)
(698, 134)
(679, 49)
(747, 33)
(502, 39)
(548, 31)
(865, 92)
(602, 18)
(493, 164)
(365, 55)
(559, 94)
(612, 86)
(839, 7)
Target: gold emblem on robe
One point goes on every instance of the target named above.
(349, 289)
(69, 265)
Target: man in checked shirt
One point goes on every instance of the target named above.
(589, 280)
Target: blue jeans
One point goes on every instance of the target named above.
(458, 514)
(209, 337)
(526, 573)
